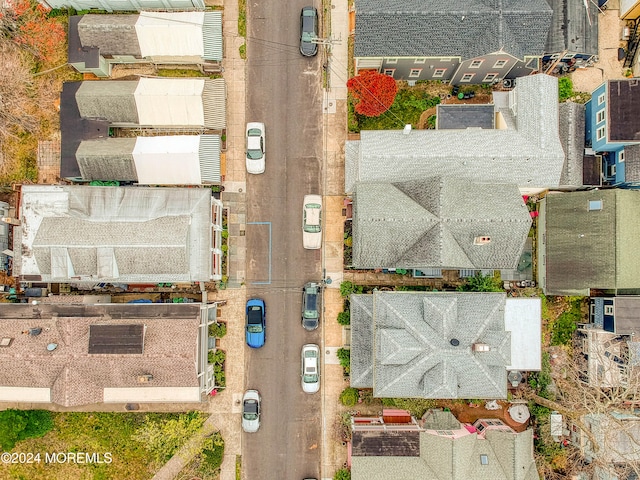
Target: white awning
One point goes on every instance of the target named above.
(170, 34)
(25, 394)
(170, 102)
(173, 160)
(522, 317)
(152, 394)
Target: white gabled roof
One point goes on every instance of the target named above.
(168, 160)
(170, 101)
(170, 34)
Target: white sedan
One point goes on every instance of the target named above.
(251, 411)
(255, 147)
(312, 222)
(310, 368)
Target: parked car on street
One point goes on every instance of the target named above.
(255, 323)
(251, 411)
(312, 222)
(255, 147)
(308, 31)
(310, 315)
(310, 368)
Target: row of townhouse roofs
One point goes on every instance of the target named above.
(412, 40)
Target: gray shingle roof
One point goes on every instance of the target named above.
(107, 159)
(423, 345)
(124, 234)
(591, 249)
(113, 101)
(451, 28)
(458, 116)
(632, 163)
(572, 128)
(433, 224)
(573, 27)
(527, 153)
(113, 34)
(509, 455)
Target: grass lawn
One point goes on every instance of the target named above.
(90, 433)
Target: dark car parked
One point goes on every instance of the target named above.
(310, 315)
(308, 31)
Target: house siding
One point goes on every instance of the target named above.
(487, 66)
(400, 67)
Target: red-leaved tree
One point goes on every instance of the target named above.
(26, 23)
(373, 92)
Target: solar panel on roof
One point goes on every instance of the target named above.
(116, 339)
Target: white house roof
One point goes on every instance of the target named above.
(168, 101)
(170, 33)
(523, 318)
(172, 159)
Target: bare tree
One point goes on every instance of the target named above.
(16, 89)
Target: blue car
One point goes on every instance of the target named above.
(255, 323)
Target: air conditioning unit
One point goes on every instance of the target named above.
(611, 171)
(508, 82)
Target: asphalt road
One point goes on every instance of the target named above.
(283, 91)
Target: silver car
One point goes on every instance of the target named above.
(255, 148)
(251, 411)
(310, 368)
(312, 222)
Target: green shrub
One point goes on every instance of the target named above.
(347, 288)
(349, 396)
(564, 326)
(17, 425)
(348, 241)
(565, 88)
(417, 406)
(539, 381)
(224, 234)
(482, 283)
(344, 318)
(217, 330)
(342, 474)
(212, 454)
(344, 355)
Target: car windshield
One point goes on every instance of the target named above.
(250, 410)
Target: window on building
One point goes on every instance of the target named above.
(595, 205)
(445, 59)
(490, 77)
(415, 72)
(389, 71)
(439, 72)
(476, 63)
(392, 60)
(484, 460)
(621, 156)
(600, 133)
(467, 77)
(420, 60)
(600, 116)
(499, 63)
(601, 99)
(608, 309)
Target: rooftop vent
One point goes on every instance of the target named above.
(6, 341)
(52, 346)
(481, 240)
(146, 378)
(455, 342)
(407, 129)
(33, 332)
